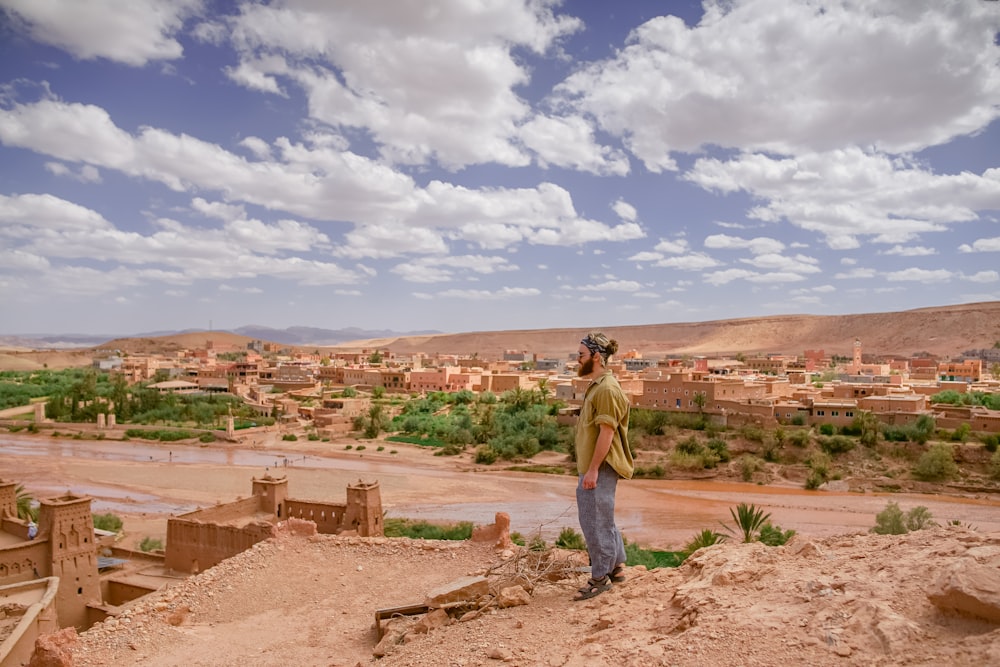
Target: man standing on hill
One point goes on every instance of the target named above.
(602, 457)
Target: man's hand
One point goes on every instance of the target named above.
(590, 479)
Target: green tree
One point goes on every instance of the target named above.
(937, 464)
(375, 357)
(869, 426)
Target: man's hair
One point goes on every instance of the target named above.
(600, 344)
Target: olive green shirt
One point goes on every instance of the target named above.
(604, 403)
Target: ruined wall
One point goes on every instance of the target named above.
(193, 546)
(24, 562)
(234, 511)
(328, 517)
(118, 593)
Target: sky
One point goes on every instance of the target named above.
(481, 165)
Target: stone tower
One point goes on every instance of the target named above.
(67, 524)
(272, 493)
(856, 365)
(364, 509)
(8, 498)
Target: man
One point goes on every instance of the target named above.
(602, 457)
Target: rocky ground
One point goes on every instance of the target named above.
(926, 598)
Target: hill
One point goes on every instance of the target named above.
(945, 330)
(942, 331)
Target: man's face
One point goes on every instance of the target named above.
(586, 360)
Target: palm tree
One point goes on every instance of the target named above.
(749, 519)
(25, 504)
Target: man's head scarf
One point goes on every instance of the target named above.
(597, 343)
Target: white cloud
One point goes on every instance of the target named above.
(982, 245)
(757, 246)
(645, 256)
(856, 194)
(441, 269)
(673, 246)
(502, 294)
(913, 251)
(775, 262)
(625, 210)
(133, 32)
(607, 286)
(695, 261)
(801, 77)
(86, 173)
(920, 275)
(569, 142)
(433, 81)
(855, 273)
(983, 277)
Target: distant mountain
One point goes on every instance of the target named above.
(289, 336)
(317, 336)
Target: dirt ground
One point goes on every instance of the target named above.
(845, 600)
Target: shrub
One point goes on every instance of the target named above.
(150, 544)
(517, 538)
(359, 448)
(837, 444)
(719, 447)
(380, 448)
(990, 442)
(485, 455)
(206, 437)
(892, 521)
(348, 446)
(651, 558)
(919, 518)
(799, 438)
(689, 446)
(427, 531)
(705, 538)
(773, 536)
(571, 539)
(657, 471)
(290, 437)
(749, 465)
(537, 543)
(995, 465)
(937, 464)
(313, 436)
(827, 429)
(108, 521)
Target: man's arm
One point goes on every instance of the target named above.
(601, 449)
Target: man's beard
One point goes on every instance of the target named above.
(586, 368)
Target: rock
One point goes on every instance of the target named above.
(499, 653)
(513, 596)
(464, 588)
(498, 532)
(54, 649)
(970, 588)
(437, 618)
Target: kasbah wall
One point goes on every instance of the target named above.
(65, 546)
(200, 539)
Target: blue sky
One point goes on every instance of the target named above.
(466, 165)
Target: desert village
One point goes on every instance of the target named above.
(64, 573)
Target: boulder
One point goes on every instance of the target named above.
(970, 588)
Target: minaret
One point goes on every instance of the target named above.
(856, 366)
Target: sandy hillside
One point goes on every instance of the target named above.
(856, 599)
(943, 331)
